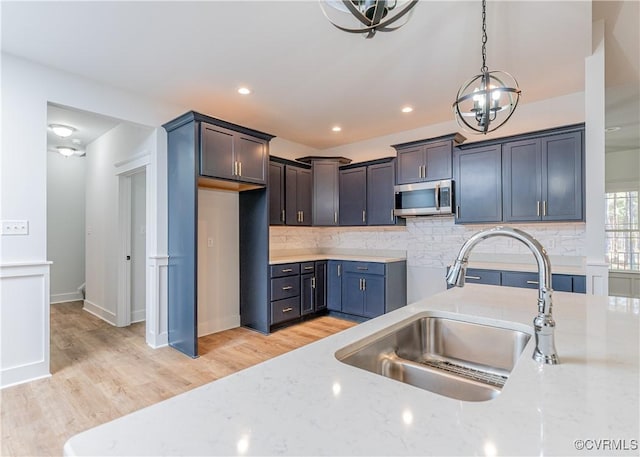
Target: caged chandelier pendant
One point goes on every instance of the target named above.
(367, 16)
(488, 100)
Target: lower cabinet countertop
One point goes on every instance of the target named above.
(351, 258)
(306, 402)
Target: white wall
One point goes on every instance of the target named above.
(622, 170)
(26, 89)
(65, 225)
(290, 150)
(102, 229)
(218, 261)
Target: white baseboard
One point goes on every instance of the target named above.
(138, 316)
(61, 298)
(218, 325)
(21, 375)
(100, 312)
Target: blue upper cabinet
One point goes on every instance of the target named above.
(276, 193)
(353, 196)
(297, 195)
(477, 175)
(380, 195)
(543, 177)
(232, 155)
(426, 160)
(325, 192)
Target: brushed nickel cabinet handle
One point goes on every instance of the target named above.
(457, 211)
(364, 284)
(533, 282)
(287, 287)
(308, 268)
(235, 169)
(339, 269)
(538, 208)
(335, 217)
(360, 280)
(424, 173)
(477, 278)
(239, 168)
(313, 282)
(286, 310)
(301, 216)
(362, 268)
(544, 207)
(364, 215)
(392, 215)
(287, 270)
(283, 216)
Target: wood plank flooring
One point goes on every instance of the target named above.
(100, 373)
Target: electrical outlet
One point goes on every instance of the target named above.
(15, 227)
(209, 242)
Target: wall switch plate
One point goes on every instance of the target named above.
(209, 242)
(15, 227)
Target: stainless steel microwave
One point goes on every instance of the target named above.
(424, 198)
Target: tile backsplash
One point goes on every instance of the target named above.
(435, 241)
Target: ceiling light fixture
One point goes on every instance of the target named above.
(244, 91)
(337, 128)
(489, 98)
(367, 16)
(407, 109)
(66, 150)
(63, 131)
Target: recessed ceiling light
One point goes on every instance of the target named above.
(66, 151)
(336, 128)
(244, 91)
(407, 109)
(63, 131)
(612, 129)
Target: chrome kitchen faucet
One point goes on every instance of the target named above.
(543, 323)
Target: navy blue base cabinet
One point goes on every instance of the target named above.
(525, 279)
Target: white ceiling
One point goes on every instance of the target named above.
(306, 75)
(89, 126)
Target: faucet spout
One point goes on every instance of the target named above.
(543, 323)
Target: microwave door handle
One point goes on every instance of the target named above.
(437, 197)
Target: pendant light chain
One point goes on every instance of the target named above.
(484, 68)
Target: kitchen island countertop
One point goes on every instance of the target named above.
(306, 402)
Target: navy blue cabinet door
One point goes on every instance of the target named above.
(410, 162)
(353, 196)
(334, 285)
(276, 193)
(380, 195)
(352, 296)
(320, 285)
(562, 177)
(374, 295)
(251, 155)
(437, 161)
(522, 172)
(298, 196)
(291, 195)
(216, 159)
(325, 192)
(304, 196)
(477, 175)
(307, 293)
(182, 240)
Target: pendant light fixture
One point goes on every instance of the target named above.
(367, 16)
(488, 100)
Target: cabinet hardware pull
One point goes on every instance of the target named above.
(301, 216)
(339, 269)
(235, 168)
(360, 281)
(457, 211)
(538, 208)
(287, 288)
(335, 217)
(533, 282)
(313, 282)
(239, 168)
(287, 270)
(392, 215)
(364, 215)
(364, 284)
(362, 268)
(283, 216)
(478, 278)
(544, 207)
(424, 171)
(286, 310)
(308, 268)
(419, 171)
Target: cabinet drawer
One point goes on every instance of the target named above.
(284, 310)
(286, 287)
(579, 284)
(520, 279)
(478, 276)
(371, 268)
(307, 267)
(284, 269)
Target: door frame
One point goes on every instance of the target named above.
(124, 171)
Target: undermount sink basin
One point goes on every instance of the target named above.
(449, 356)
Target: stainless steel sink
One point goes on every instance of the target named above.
(445, 355)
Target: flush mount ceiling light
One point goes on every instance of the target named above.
(367, 16)
(486, 101)
(66, 151)
(63, 131)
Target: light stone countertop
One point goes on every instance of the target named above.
(313, 257)
(306, 402)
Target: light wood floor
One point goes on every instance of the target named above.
(100, 373)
